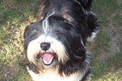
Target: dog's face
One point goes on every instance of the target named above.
(52, 41)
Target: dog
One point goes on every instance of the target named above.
(54, 45)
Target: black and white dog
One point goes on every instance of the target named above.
(55, 44)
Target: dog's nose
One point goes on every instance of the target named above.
(45, 46)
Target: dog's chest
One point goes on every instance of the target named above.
(53, 76)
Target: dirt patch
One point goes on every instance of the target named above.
(114, 32)
(7, 72)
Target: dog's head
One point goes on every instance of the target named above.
(57, 39)
(52, 41)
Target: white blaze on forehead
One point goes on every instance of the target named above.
(56, 46)
(46, 23)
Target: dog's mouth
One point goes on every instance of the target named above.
(47, 58)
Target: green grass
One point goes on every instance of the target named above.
(109, 69)
(118, 18)
(107, 63)
(102, 41)
(15, 15)
(104, 9)
(23, 1)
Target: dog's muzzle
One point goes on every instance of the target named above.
(46, 56)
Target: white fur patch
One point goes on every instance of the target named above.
(92, 36)
(52, 75)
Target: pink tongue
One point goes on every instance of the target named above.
(48, 57)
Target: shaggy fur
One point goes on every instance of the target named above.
(55, 44)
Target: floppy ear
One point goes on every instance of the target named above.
(87, 4)
(25, 61)
(27, 29)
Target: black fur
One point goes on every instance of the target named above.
(87, 4)
(76, 25)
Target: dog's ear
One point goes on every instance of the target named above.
(27, 29)
(87, 4)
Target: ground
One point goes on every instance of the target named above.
(106, 49)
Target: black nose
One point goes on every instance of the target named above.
(45, 46)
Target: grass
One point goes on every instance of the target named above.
(15, 15)
(109, 70)
(106, 49)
